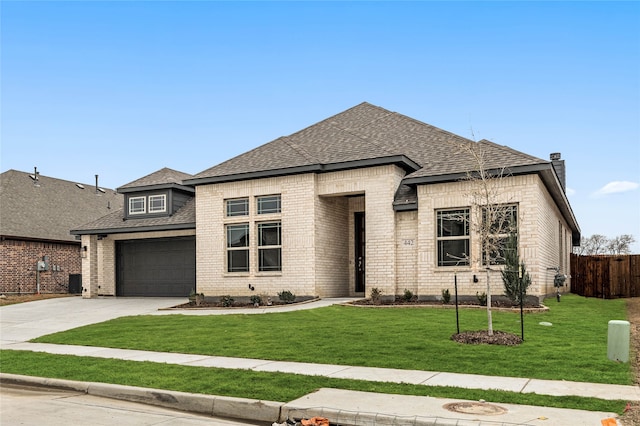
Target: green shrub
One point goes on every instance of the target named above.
(226, 301)
(446, 296)
(482, 298)
(286, 296)
(375, 295)
(256, 300)
(408, 295)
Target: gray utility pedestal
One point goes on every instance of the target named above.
(618, 343)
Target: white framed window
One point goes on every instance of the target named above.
(504, 221)
(157, 203)
(269, 204)
(269, 246)
(453, 237)
(137, 205)
(238, 247)
(238, 207)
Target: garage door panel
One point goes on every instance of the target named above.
(156, 267)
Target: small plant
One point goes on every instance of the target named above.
(226, 301)
(446, 296)
(482, 298)
(286, 296)
(375, 295)
(408, 295)
(256, 300)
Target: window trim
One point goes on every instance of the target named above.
(277, 198)
(144, 205)
(245, 248)
(164, 203)
(235, 201)
(271, 247)
(441, 239)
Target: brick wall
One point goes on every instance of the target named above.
(317, 233)
(538, 223)
(18, 266)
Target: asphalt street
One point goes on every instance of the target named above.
(31, 406)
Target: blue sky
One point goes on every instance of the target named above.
(122, 89)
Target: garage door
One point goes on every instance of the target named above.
(156, 267)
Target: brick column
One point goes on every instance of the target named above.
(89, 266)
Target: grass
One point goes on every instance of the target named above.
(255, 385)
(574, 348)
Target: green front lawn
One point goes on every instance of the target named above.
(255, 385)
(573, 348)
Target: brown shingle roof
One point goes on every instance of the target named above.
(165, 176)
(49, 210)
(184, 218)
(366, 132)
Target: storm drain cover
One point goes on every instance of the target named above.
(479, 408)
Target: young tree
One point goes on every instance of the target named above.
(492, 218)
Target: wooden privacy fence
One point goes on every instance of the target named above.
(606, 276)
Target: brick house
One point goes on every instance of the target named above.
(364, 199)
(36, 214)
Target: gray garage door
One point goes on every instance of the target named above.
(156, 267)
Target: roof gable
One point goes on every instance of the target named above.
(163, 178)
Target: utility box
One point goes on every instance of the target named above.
(75, 283)
(618, 342)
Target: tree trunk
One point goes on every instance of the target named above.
(489, 317)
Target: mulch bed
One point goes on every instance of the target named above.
(482, 338)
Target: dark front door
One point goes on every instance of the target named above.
(360, 251)
(156, 267)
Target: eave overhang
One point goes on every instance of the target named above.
(123, 230)
(176, 186)
(400, 160)
(544, 170)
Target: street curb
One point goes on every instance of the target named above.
(212, 405)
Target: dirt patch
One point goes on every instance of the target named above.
(11, 299)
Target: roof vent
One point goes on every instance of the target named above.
(79, 185)
(35, 177)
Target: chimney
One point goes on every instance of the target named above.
(558, 166)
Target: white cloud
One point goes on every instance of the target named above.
(617, 186)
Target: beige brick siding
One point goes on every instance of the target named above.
(317, 227)
(18, 266)
(406, 252)
(538, 230)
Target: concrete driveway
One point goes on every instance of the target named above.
(25, 321)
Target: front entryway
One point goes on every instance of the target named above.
(359, 221)
(156, 267)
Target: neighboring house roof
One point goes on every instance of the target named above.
(47, 209)
(183, 218)
(161, 179)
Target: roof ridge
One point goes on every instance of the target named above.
(296, 147)
(55, 178)
(508, 148)
(364, 137)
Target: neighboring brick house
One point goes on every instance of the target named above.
(36, 214)
(364, 199)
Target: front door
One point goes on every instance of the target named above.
(359, 251)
